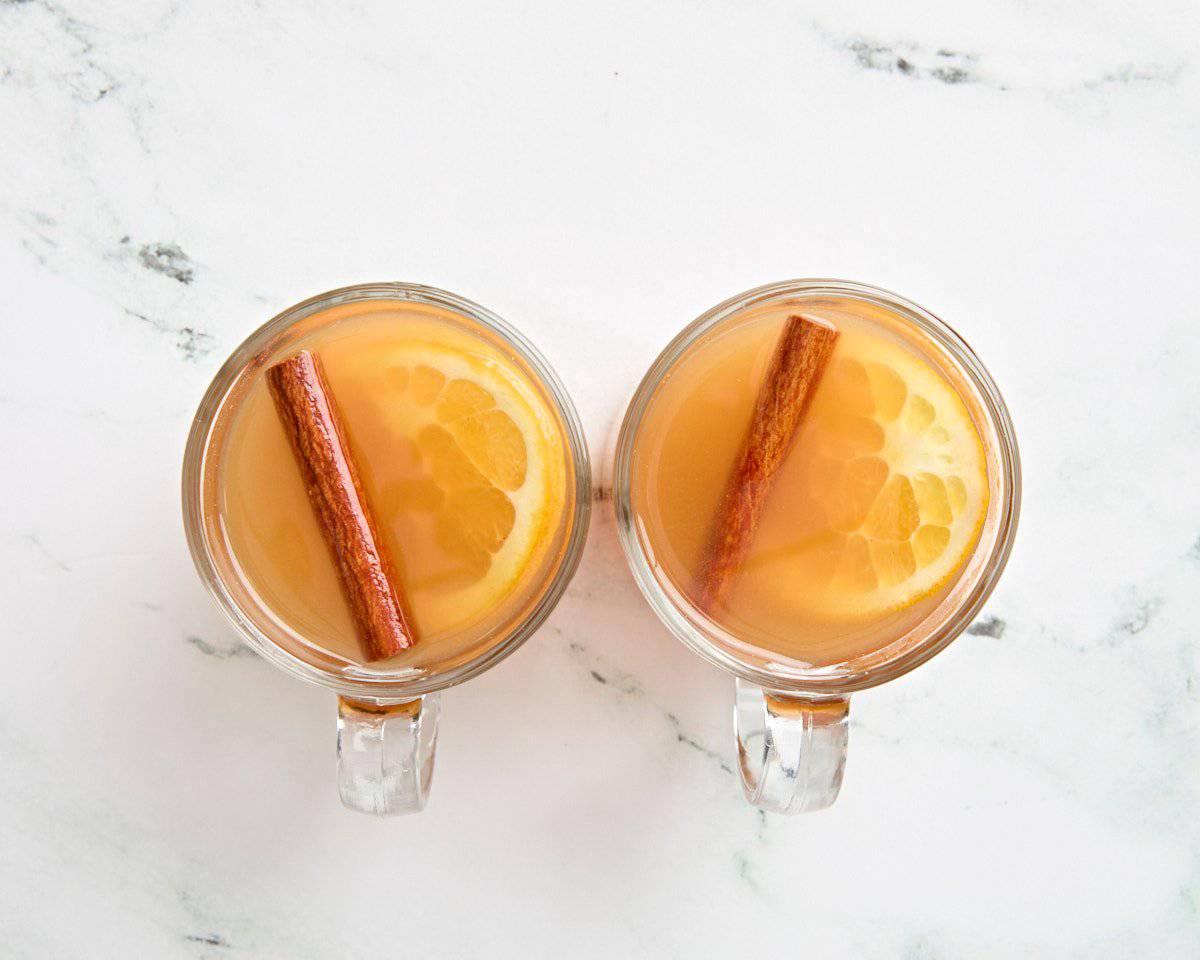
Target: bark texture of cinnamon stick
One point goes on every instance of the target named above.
(314, 428)
(795, 370)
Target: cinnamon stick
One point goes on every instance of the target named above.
(314, 428)
(795, 370)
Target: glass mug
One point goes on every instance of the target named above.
(791, 719)
(387, 717)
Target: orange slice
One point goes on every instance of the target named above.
(882, 501)
(481, 474)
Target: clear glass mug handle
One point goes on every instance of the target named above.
(791, 750)
(385, 753)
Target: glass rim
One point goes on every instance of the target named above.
(687, 626)
(381, 687)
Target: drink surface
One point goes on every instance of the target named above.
(875, 511)
(464, 463)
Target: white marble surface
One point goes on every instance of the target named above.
(172, 174)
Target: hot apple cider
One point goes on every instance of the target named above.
(394, 485)
(811, 478)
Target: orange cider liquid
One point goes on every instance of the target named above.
(465, 466)
(875, 511)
